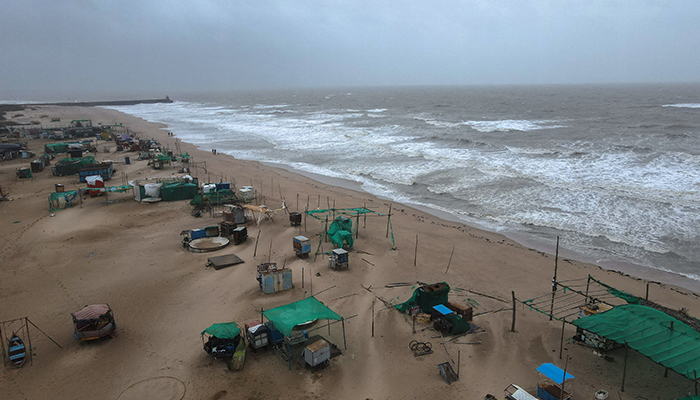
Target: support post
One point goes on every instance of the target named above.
(388, 218)
(345, 344)
(2, 343)
(29, 339)
(561, 344)
(624, 369)
(512, 326)
(302, 277)
(566, 364)
(588, 284)
(257, 239)
(554, 281)
(364, 217)
(646, 298)
(357, 225)
(372, 318)
(450, 261)
(415, 253)
(459, 361)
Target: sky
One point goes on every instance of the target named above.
(136, 46)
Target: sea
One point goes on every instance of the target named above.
(612, 170)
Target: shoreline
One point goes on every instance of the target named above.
(632, 270)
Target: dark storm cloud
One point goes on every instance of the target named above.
(160, 45)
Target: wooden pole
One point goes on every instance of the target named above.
(695, 374)
(450, 261)
(305, 215)
(563, 381)
(2, 343)
(29, 339)
(311, 282)
(414, 324)
(318, 205)
(415, 253)
(554, 281)
(257, 239)
(646, 298)
(269, 254)
(388, 218)
(345, 344)
(357, 226)
(561, 344)
(588, 283)
(364, 217)
(308, 197)
(373, 318)
(459, 361)
(624, 369)
(512, 326)
(297, 203)
(302, 277)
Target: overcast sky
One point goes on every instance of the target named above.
(173, 45)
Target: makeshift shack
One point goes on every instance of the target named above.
(302, 246)
(272, 280)
(425, 297)
(105, 170)
(61, 200)
(338, 259)
(71, 166)
(94, 183)
(552, 382)
(286, 318)
(224, 341)
(178, 191)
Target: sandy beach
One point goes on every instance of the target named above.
(129, 255)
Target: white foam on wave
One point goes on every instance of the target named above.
(683, 105)
(509, 125)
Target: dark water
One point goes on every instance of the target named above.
(613, 170)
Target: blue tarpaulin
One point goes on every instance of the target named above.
(554, 373)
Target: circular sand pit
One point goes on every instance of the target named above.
(156, 388)
(208, 244)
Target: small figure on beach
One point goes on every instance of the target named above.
(213, 151)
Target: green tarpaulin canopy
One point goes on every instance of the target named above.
(287, 317)
(653, 333)
(226, 330)
(426, 297)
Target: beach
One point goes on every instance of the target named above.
(129, 255)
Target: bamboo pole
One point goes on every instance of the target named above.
(624, 368)
(373, 301)
(563, 381)
(2, 343)
(388, 219)
(345, 344)
(450, 261)
(29, 339)
(561, 343)
(257, 239)
(512, 326)
(554, 280)
(415, 253)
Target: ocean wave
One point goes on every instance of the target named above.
(683, 105)
(509, 125)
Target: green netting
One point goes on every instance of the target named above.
(691, 398)
(342, 211)
(426, 297)
(341, 231)
(287, 317)
(178, 191)
(224, 196)
(629, 298)
(226, 330)
(653, 333)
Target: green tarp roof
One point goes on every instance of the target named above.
(653, 333)
(287, 317)
(691, 398)
(226, 330)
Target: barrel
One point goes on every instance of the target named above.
(59, 188)
(127, 160)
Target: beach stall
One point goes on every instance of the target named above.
(338, 259)
(257, 335)
(292, 320)
(295, 218)
(224, 341)
(302, 246)
(554, 383)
